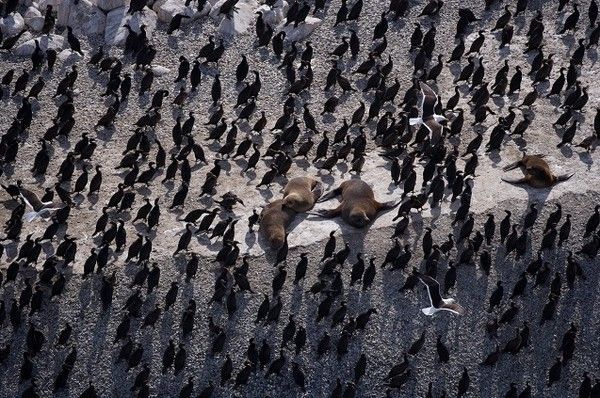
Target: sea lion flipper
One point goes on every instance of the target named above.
(515, 181)
(389, 205)
(564, 177)
(512, 166)
(317, 191)
(325, 213)
(329, 195)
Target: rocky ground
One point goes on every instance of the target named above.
(398, 321)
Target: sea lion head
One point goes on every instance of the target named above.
(294, 201)
(358, 218)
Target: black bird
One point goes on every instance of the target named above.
(592, 222)
(176, 22)
(555, 372)
(442, 351)
(571, 21)
(73, 41)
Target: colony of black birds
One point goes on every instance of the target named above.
(142, 309)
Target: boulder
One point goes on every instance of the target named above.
(145, 17)
(206, 10)
(242, 19)
(159, 70)
(116, 33)
(55, 42)
(34, 19)
(115, 19)
(108, 5)
(214, 10)
(68, 55)
(86, 18)
(63, 9)
(274, 15)
(167, 10)
(41, 4)
(302, 31)
(156, 5)
(12, 24)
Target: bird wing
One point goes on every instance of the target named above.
(454, 308)
(430, 98)
(31, 199)
(435, 128)
(433, 288)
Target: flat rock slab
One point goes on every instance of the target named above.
(69, 56)
(302, 31)
(55, 42)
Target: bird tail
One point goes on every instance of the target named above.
(428, 311)
(415, 120)
(30, 216)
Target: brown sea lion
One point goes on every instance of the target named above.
(274, 220)
(537, 172)
(301, 193)
(358, 207)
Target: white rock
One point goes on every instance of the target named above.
(41, 4)
(302, 31)
(156, 5)
(159, 70)
(205, 10)
(12, 24)
(34, 19)
(214, 11)
(108, 5)
(55, 42)
(116, 33)
(96, 23)
(145, 17)
(241, 20)
(67, 54)
(115, 19)
(86, 18)
(167, 10)
(63, 9)
(274, 15)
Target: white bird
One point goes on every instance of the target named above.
(428, 116)
(39, 209)
(438, 303)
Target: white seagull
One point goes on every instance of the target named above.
(428, 116)
(39, 209)
(435, 297)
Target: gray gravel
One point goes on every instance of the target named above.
(398, 321)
